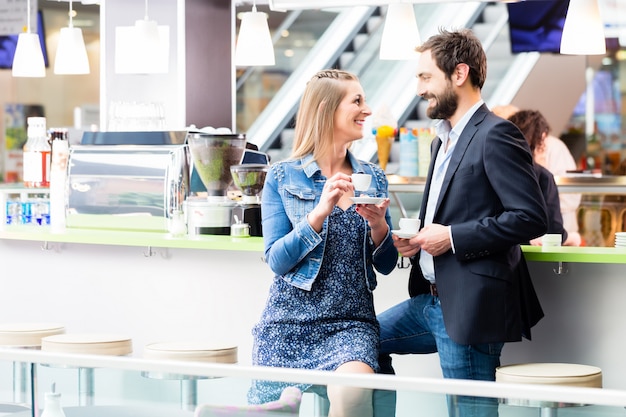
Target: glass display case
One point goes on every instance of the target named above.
(601, 213)
(122, 388)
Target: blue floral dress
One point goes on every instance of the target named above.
(330, 325)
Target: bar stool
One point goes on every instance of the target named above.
(195, 351)
(25, 336)
(87, 344)
(566, 374)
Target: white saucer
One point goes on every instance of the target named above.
(403, 235)
(367, 200)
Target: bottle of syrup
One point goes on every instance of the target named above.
(36, 162)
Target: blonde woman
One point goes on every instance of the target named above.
(324, 248)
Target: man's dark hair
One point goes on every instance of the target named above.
(451, 48)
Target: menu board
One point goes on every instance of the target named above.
(14, 16)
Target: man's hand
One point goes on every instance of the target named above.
(434, 239)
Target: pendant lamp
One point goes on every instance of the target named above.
(142, 48)
(583, 31)
(254, 43)
(71, 57)
(400, 34)
(28, 59)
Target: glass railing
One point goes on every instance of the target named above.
(129, 386)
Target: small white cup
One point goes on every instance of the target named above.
(409, 225)
(550, 240)
(361, 181)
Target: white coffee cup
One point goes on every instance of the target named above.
(409, 225)
(361, 181)
(551, 240)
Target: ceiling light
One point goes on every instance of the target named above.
(254, 43)
(143, 48)
(583, 31)
(71, 57)
(28, 59)
(400, 34)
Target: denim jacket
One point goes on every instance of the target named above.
(293, 249)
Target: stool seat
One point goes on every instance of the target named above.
(566, 374)
(196, 351)
(551, 374)
(88, 343)
(191, 351)
(27, 335)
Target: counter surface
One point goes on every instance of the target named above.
(131, 238)
(608, 255)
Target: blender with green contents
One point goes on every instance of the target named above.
(249, 178)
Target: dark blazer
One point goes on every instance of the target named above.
(491, 199)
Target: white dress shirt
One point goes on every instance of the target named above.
(449, 137)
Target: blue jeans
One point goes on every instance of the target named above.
(416, 326)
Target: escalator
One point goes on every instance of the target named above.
(351, 41)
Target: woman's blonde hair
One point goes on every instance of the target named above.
(315, 121)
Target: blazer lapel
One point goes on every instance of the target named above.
(459, 149)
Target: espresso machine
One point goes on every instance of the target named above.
(212, 156)
(249, 179)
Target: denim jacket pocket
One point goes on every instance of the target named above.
(299, 202)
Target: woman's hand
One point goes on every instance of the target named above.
(375, 216)
(335, 187)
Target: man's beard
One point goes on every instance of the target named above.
(445, 106)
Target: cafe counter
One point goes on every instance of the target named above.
(156, 287)
(255, 244)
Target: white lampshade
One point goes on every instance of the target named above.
(71, 57)
(28, 60)
(142, 49)
(583, 31)
(147, 33)
(254, 43)
(400, 34)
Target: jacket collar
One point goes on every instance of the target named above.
(311, 167)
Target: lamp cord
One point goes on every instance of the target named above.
(71, 25)
(27, 16)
